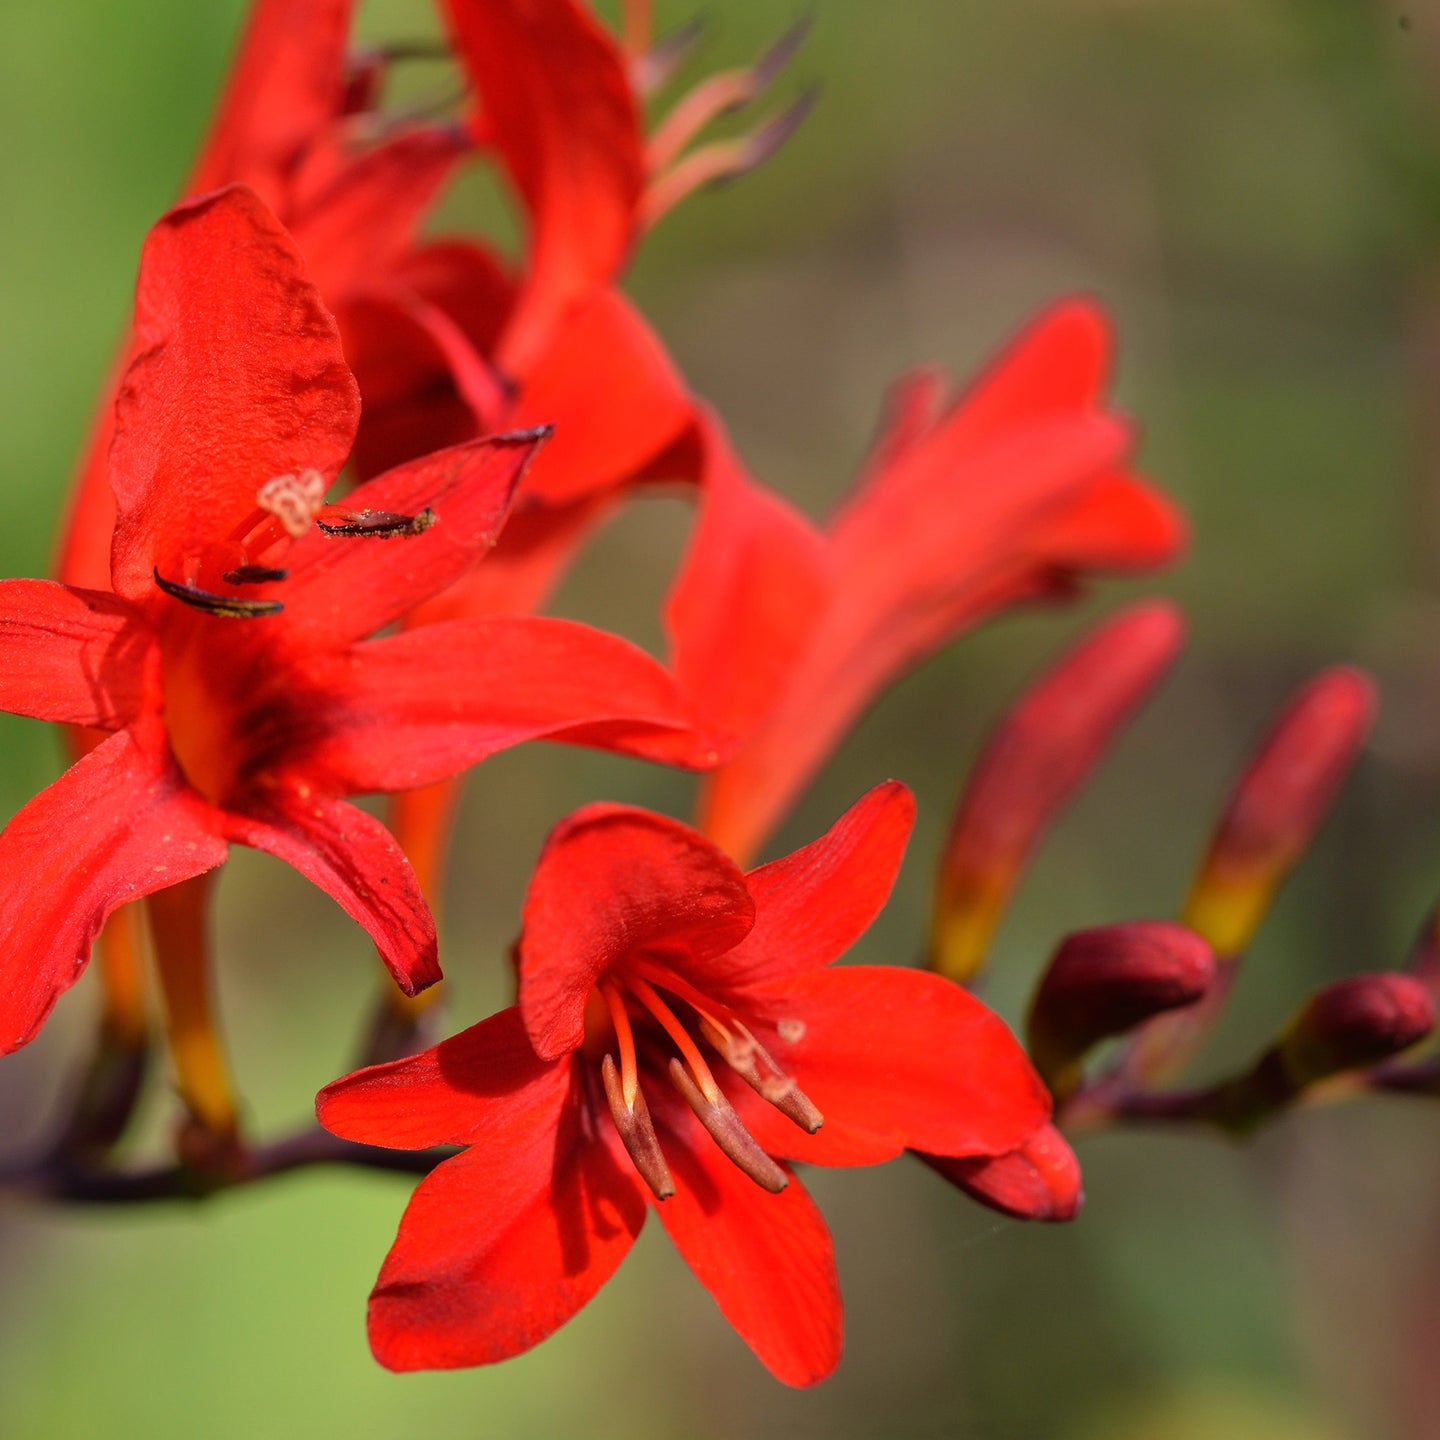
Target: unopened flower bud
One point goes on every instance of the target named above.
(1277, 806)
(1105, 981)
(1039, 1181)
(1354, 1024)
(1034, 760)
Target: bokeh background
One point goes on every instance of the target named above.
(1254, 188)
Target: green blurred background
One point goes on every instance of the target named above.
(1254, 187)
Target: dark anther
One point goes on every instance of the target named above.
(229, 606)
(253, 575)
(379, 524)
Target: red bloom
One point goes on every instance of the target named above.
(235, 418)
(593, 1096)
(1011, 494)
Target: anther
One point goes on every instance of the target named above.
(378, 524)
(253, 575)
(753, 1063)
(229, 606)
(637, 1132)
(727, 1131)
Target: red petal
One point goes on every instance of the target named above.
(455, 1093)
(751, 588)
(240, 379)
(286, 84)
(612, 881)
(895, 1059)
(503, 1244)
(464, 280)
(360, 222)
(414, 708)
(767, 1260)
(556, 102)
(118, 824)
(1039, 1181)
(812, 905)
(354, 859)
(342, 588)
(952, 526)
(613, 395)
(77, 656)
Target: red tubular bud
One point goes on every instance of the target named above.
(1354, 1024)
(1278, 804)
(1039, 1181)
(1032, 763)
(1103, 982)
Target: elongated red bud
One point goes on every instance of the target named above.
(1277, 805)
(1354, 1024)
(1033, 761)
(1039, 1181)
(1104, 982)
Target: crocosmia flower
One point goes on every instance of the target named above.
(1013, 492)
(229, 662)
(681, 1036)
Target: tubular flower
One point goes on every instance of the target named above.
(680, 1037)
(430, 329)
(1012, 494)
(232, 424)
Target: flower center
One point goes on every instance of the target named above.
(643, 1025)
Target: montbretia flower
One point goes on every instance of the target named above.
(680, 1037)
(229, 661)
(1012, 493)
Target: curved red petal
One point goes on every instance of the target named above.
(556, 102)
(503, 1244)
(613, 395)
(414, 708)
(353, 858)
(344, 587)
(895, 1059)
(813, 904)
(362, 219)
(767, 1260)
(286, 83)
(750, 590)
(118, 824)
(459, 1092)
(612, 881)
(1039, 1181)
(76, 656)
(240, 378)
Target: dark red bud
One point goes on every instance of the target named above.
(1356, 1023)
(1039, 1181)
(1104, 982)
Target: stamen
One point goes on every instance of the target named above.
(723, 161)
(230, 606)
(637, 1131)
(655, 67)
(718, 95)
(646, 995)
(625, 1039)
(378, 524)
(294, 500)
(726, 1130)
(253, 575)
(750, 1060)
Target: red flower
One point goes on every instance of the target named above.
(235, 418)
(593, 1096)
(1010, 494)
